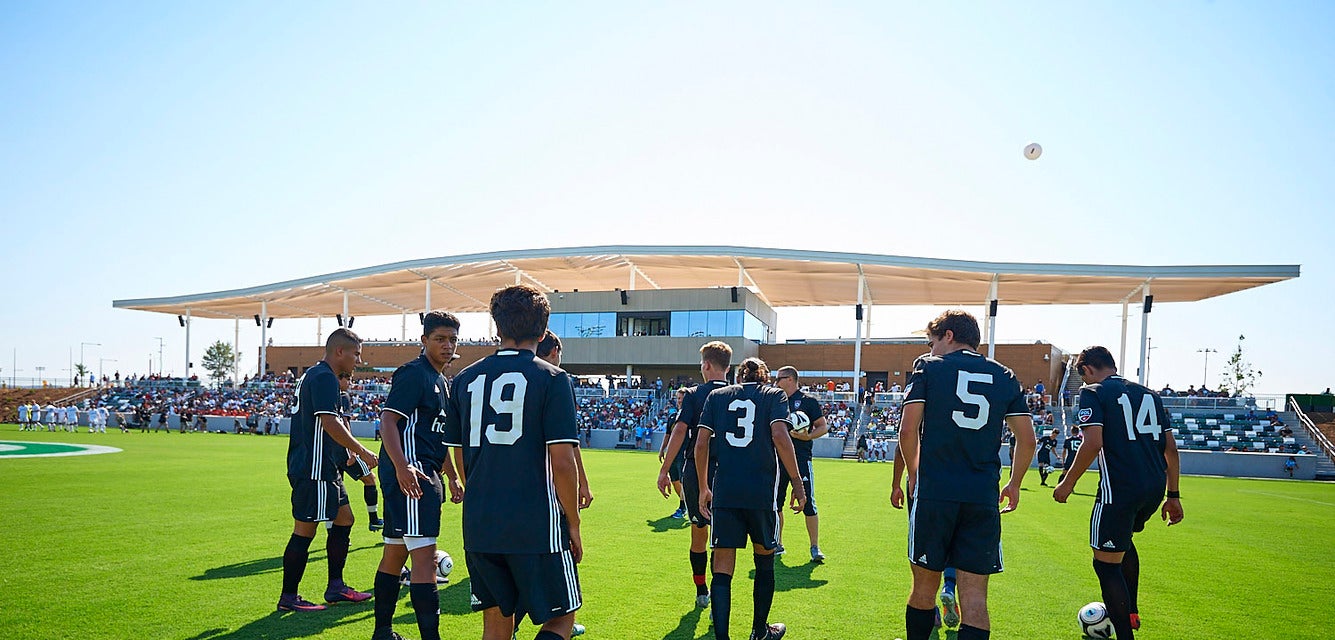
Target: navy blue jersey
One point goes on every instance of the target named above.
(1071, 446)
(740, 415)
(1131, 462)
(689, 413)
(806, 404)
(419, 393)
(1046, 445)
(505, 410)
(311, 453)
(966, 399)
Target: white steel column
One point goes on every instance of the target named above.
(428, 296)
(347, 319)
(187, 343)
(857, 344)
(236, 351)
(992, 318)
(403, 327)
(1144, 332)
(264, 337)
(319, 330)
(1121, 357)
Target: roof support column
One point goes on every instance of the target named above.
(992, 318)
(347, 319)
(1144, 333)
(1121, 357)
(319, 329)
(264, 335)
(187, 344)
(236, 351)
(427, 308)
(403, 327)
(857, 340)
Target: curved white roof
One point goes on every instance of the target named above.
(782, 277)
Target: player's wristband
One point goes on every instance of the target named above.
(1175, 495)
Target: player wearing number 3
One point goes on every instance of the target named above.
(513, 416)
(950, 435)
(1127, 431)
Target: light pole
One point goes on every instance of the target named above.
(100, 362)
(39, 374)
(1205, 376)
(81, 346)
(161, 342)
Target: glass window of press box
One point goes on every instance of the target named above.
(678, 324)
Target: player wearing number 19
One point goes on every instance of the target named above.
(950, 435)
(1127, 431)
(513, 416)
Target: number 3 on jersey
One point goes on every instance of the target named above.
(1146, 420)
(746, 422)
(514, 407)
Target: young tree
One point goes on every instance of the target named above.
(218, 360)
(1238, 377)
(81, 373)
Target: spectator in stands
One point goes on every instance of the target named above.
(1191, 391)
(1303, 450)
(1290, 465)
(1039, 389)
(1167, 392)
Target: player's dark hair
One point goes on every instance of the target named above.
(753, 370)
(549, 343)
(960, 323)
(717, 353)
(1096, 357)
(342, 337)
(520, 312)
(437, 319)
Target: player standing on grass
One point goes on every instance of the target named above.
(1046, 445)
(513, 416)
(319, 443)
(413, 440)
(1069, 449)
(674, 467)
(950, 435)
(715, 358)
(353, 466)
(743, 498)
(798, 402)
(1127, 430)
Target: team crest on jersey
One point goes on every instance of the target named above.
(1086, 414)
(908, 389)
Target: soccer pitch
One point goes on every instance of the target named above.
(181, 536)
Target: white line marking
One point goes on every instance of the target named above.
(1280, 495)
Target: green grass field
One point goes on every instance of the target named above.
(180, 536)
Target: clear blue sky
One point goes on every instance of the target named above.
(153, 149)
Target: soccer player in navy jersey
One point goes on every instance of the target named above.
(412, 438)
(674, 467)
(786, 378)
(950, 435)
(353, 466)
(750, 422)
(319, 443)
(513, 416)
(1127, 430)
(715, 359)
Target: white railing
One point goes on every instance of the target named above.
(1319, 437)
(1260, 401)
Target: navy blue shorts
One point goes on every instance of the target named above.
(1111, 524)
(691, 488)
(316, 500)
(963, 535)
(546, 585)
(404, 516)
(808, 482)
(732, 527)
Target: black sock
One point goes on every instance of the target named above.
(369, 493)
(698, 561)
(762, 593)
(973, 633)
(386, 599)
(918, 623)
(1115, 597)
(294, 562)
(720, 606)
(1131, 573)
(426, 604)
(547, 635)
(336, 546)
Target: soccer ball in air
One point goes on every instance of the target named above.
(800, 421)
(1094, 621)
(444, 565)
(1033, 151)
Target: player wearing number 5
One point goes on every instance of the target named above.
(1127, 431)
(750, 422)
(950, 435)
(513, 416)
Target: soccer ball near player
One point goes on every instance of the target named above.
(800, 421)
(1094, 621)
(444, 565)
(1033, 151)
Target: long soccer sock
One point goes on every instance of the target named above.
(294, 562)
(369, 493)
(698, 561)
(681, 505)
(973, 633)
(720, 605)
(336, 546)
(386, 599)
(426, 604)
(762, 593)
(1131, 573)
(1115, 597)
(918, 623)
(948, 580)
(547, 635)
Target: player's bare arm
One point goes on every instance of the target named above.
(452, 481)
(896, 491)
(565, 477)
(1085, 456)
(406, 474)
(1023, 428)
(783, 444)
(671, 445)
(337, 430)
(1172, 507)
(909, 438)
(702, 438)
(585, 495)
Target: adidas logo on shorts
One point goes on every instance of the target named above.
(922, 558)
(1109, 545)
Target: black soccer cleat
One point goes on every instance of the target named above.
(294, 602)
(772, 632)
(376, 524)
(386, 633)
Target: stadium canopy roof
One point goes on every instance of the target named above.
(781, 277)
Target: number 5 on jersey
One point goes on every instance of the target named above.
(511, 384)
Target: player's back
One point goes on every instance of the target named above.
(967, 398)
(311, 453)
(747, 476)
(1131, 462)
(689, 413)
(505, 410)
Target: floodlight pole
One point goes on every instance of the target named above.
(857, 340)
(187, 344)
(992, 318)
(1148, 299)
(100, 362)
(86, 344)
(161, 342)
(264, 334)
(236, 351)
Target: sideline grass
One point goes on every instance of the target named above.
(180, 536)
